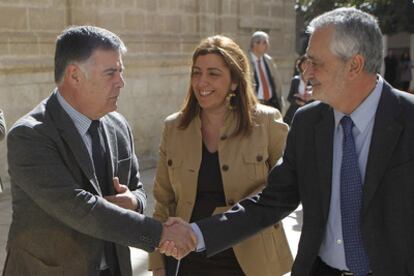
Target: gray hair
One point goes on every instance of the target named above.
(355, 32)
(258, 37)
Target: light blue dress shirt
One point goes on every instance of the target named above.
(332, 249)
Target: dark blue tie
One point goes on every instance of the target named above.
(99, 155)
(351, 201)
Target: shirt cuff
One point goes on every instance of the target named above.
(141, 200)
(201, 246)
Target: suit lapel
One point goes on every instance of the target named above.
(112, 147)
(324, 152)
(256, 79)
(385, 135)
(269, 73)
(74, 141)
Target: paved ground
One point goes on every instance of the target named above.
(292, 226)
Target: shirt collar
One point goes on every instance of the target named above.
(363, 114)
(81, 122)
(254, 57)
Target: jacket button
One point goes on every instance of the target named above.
(259, 158)
(230, 202)
(225, 168)
(169, 162)
(224, 137)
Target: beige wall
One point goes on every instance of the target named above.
(160, 36)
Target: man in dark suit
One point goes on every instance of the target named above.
(348, 161)
(300, 92)
(77, 198)
(266, 78)
(391, 68)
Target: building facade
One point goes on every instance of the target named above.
(160, 36)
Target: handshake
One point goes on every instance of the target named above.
(177, 239)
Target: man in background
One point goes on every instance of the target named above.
(391, 68)
(266, 78)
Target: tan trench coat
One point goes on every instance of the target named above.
(245, 162)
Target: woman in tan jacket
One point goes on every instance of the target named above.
(215, 151)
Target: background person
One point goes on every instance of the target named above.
(215, 151)
(266, 77)
(404, 68)
(300, 92)
(391, 68)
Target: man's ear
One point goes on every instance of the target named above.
(356, 65)
(73, 74)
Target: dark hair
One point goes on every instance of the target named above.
(244, 101)
(77, 43)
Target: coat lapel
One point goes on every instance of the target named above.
(270, 75)
(324, 130)
(385, 135)
(74, 141)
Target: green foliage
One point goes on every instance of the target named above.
(393, 15)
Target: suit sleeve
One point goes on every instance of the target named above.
(279, 198)
(38, 171)
(278, 80)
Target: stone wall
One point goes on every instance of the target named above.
(160, 36)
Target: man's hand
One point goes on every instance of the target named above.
(123, 198)
(177, 238)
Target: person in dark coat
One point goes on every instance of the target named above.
(391, 68)
(300, 92)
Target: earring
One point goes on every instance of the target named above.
(231, 100)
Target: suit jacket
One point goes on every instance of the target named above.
(294, 89)
(245, 164)
(305, 176)
(60, 220)
(293, 106)
(275, 80)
